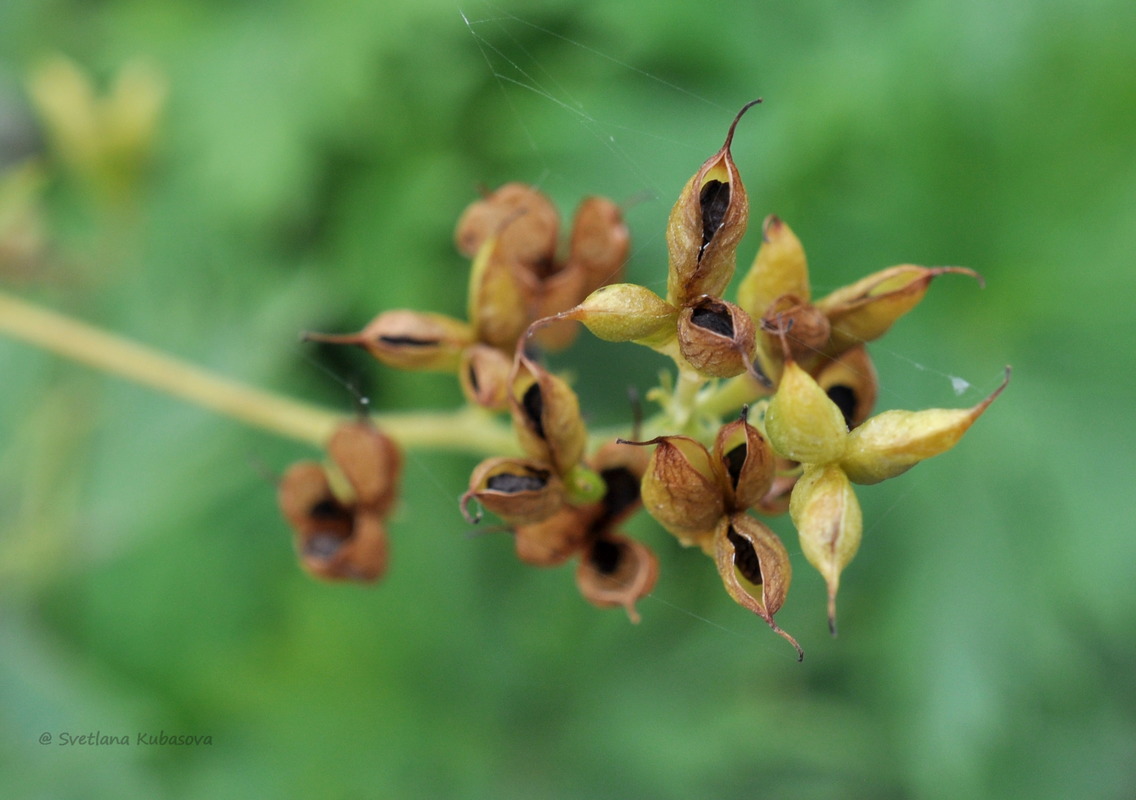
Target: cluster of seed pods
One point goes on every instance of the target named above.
(800, 433)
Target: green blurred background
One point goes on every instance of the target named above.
(311, 161)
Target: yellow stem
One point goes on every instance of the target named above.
(467, 430)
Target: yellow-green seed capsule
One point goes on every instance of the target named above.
(779, 269)
(626, 312)
(893, 442)
(865, 310)
(802, 422)
(826, 514)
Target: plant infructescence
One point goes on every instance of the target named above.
(767, 411)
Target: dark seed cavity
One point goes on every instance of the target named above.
(845, 399)
(745, 557)
(328, 509)
(407, 341)
(512, 484)
(715, 318)
(473, 379)
(605, 556)
(735, 460)
(622, 493)
(714, 199)
(533, 403)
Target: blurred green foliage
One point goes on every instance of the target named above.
(311, 162)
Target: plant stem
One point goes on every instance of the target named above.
(467, 430)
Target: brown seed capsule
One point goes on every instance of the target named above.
(893, 442)
(552, 541)
(806, 329)
(706, 225)
(827, 517)
(755, 568)
(779, 269)
(518, 491)
(802, 422)
(785, 475)
(409, 340)
(525, 219)
(600, 242)
(334, 540)
(743, 462)
(866, 309)
(548, 297)
(546, 416)
(616, 571)
(850, 381)
(680, 489)
(716, 337)
(370, 462)
(484, 375)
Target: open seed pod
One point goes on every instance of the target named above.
(520, 492)
(335, 541)
(616, 571)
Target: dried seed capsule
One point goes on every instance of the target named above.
(524, 218)
(484, 374)
(334, 541)
(552, 541)
(755, 568)
(802, 422)
(807, 330)
(546, 416)
(716, 337)
(548, 297)
(850, 381)
(600, 242)
(369, 460)
(616, 571)
(743, 462)
(827, 517)
(705, 226)
(893, 442)
(780, 268)
(680, 489)
(866, 309)
(409, 340)
(520, 492)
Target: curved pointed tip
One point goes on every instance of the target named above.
(937, 271)
(787, 637)
(734, 124)
(832, 615)
(472, 519)
(332, 338)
